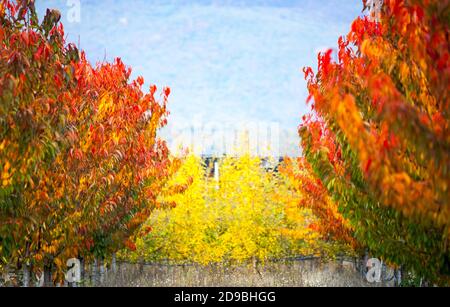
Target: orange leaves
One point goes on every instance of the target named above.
(386, 105)
(440, 124)
(314, 227)
(77, 138)
(130, 245)
(6, 175)
(125, 161)
(315, 197)
(340, 92)
(140, 80)
(374, 49)
(50, 248)
(363, 28)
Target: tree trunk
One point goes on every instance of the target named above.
(102, 271)
(398, 277)
(26, 275)
(94, 273)
(82, 270)
(141, 267)
(255, 266)
(363, 264)
(383, 272)
(48, 282)
(114, 263)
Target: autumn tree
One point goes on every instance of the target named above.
(314, 195)
(384, 101)
(35, 79)
(81, 162)
(249, 214)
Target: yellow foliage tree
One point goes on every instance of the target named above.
(250, 213)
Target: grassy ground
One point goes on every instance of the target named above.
(305, 273)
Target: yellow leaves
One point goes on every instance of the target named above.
(59, 192)
(404, 72)
(83, 184)
(400, 189)
(6, 177)
(124, 176)
(2, 145)
(105, 107)
(116, 138)
(86, 143)
(375, 49)
(76, 217)
(365, 46)
(58, 262)
(423, 65)
(50, 249)
(7, 166)
(242, 216)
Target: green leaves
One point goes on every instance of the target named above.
(51, 19)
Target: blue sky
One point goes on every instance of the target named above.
(226, 60)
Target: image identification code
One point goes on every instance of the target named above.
(235, 296)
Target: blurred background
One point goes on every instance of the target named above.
(228, 62)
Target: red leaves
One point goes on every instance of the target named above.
(314, 227)
(153, 89)
(418, 13)
(368, 164)
(439, 124)
(394, 6)
(25, 38)
(38, 53)
(140, 81)
(308, 73)
(395, 126)
(167, 92)
(344, 53)
(89, 121)
(324, 59)
(89, 243)
(363, 28)
(136, 158)
(11, 7)
(57, 80)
